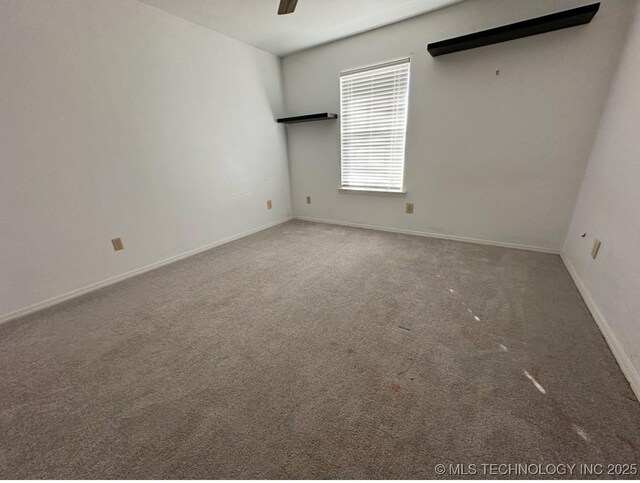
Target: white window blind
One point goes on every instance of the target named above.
(373, 112)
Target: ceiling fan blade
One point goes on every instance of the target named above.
(287, 6)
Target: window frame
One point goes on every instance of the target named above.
(347, 189)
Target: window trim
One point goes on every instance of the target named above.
(401, 191)
(369, 191)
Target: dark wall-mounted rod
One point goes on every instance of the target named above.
(534, 26)
(322, 116)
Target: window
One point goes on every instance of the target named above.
(373, 107)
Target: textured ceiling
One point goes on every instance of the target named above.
(314, 22)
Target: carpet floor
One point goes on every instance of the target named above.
(316, 351)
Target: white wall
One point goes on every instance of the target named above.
(120, 120)
(489, 157)
(608, 209)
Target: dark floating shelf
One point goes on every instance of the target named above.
(526, 28)
(322, 116)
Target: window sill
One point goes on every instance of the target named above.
(361, 191)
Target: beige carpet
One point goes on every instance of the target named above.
(316, 351)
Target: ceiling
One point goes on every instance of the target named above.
(314, 22)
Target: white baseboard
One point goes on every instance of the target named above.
(434, 235)
(624, 361)
(118, 278)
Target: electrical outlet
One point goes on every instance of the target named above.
(595, 249)
(117, 244)
(269, 205)
(308, 200)
(408, 209)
